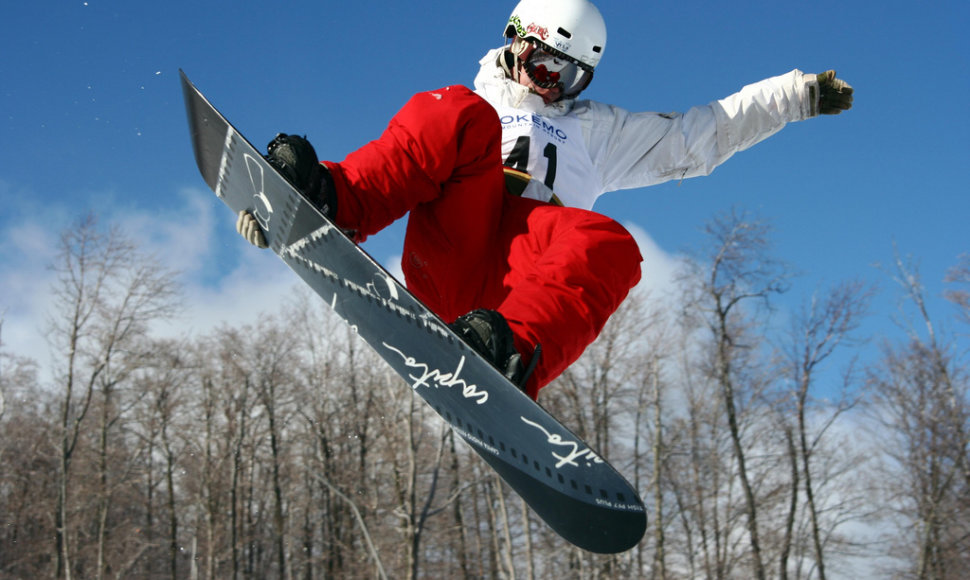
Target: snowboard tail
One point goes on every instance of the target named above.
(566, 483)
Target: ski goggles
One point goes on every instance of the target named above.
(548, 68)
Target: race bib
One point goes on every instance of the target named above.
(553, 152)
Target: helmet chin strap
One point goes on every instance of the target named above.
(511, 58)
(508, 61)
(519, 46)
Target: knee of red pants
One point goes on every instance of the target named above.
(569, 271)
(438, 138)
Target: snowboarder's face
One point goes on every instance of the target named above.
(548, 73)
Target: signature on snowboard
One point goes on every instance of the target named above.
(576, 451)
(428, 377)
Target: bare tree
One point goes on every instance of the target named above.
(922, 400)
(238, 387)
(959, 277)
(412, 497)
(342, 404)
(273, 364)
(652, 398)
(739, 272)
(3, 400)
(26, 477)
(167, 402)
(213, 455)
(700, 470)
(824, 324)
(105, 298)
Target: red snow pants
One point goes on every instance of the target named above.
(556, 274)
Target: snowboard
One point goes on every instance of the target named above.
(564, 481)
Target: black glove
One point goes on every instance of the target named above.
(294, 157)
(834, 95)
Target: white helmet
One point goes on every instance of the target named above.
(574, 28)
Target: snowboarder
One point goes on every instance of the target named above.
(520, 266)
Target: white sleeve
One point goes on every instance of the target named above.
(639, 149)
(760, 110)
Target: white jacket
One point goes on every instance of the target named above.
(583, 149)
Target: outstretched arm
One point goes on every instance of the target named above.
(640, 149)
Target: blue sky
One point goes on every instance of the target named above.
(91, 119)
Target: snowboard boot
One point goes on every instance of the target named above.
(489, 334)
(295, 158)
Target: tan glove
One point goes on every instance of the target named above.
(248, 228)
(834, 95)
